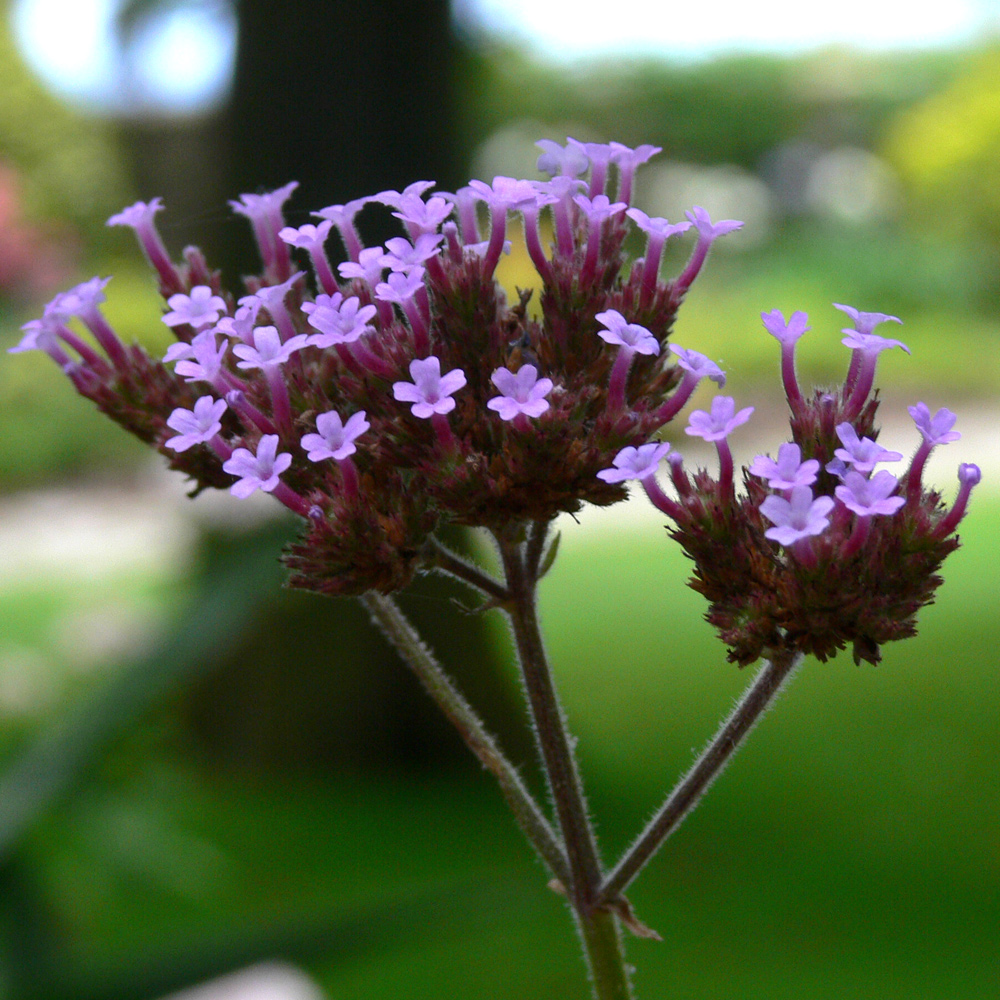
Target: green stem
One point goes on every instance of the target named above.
(602, 942)
(401, 634)
(734, 730)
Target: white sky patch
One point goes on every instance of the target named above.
(568, 29)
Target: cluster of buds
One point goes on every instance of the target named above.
(409, 392)
(820, 550)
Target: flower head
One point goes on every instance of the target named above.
(139, 214)
(268, 351)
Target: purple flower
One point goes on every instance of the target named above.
(421, 216)
(241, 324)
(181, 349)
(786, 333)
(138, 215)
(430, 392)
(264, 206)
(869, 496)
(657, 226)
(400, 287)
(368, 267)
(570, 160)
(257, 472)
(198, 426)
(505, 193)
(207, 361)
(708, 230)
(523, 392)
(635, 463)
(339, 320)
(797, 518)
(870, 343)
(272, 297)
(599, 208)
(937, 429)
(335, 439)
(629, 335)
(268, 352)
(403, 254)
(81, 300)
(789, 471)
(393, 199)
(699, 365)
(720, 423)
(865, 322)
(199, 309)
(307, 237)
(863, 453)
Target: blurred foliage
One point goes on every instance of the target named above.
(732, 109)
(855, 834)
(71, 165)
(947, 151)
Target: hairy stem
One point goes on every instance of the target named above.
(443, 559)
(734, 730)
(601, 939)
(401, 634)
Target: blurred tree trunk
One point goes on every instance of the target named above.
(347, 98)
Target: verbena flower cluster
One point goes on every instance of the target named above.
(820, 550)
(409, 392)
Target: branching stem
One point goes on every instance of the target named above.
(398, 630)
(734, 730)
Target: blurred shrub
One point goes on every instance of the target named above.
(947, 151)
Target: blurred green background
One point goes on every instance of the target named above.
(202, 772)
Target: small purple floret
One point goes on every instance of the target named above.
(199, 309)
(196, 426)
(335, 439)
(861, 453)
(523, 392)
(869, 496)
(720, 423)
(635, 463)
(937, 429)
(788, 471)
(785, 332)
(430, 392)
(797, 518)
(257, 472)
(624, 334)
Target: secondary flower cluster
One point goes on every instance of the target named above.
(821, 550)
(408, 390)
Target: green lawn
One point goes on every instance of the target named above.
(849, 852)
